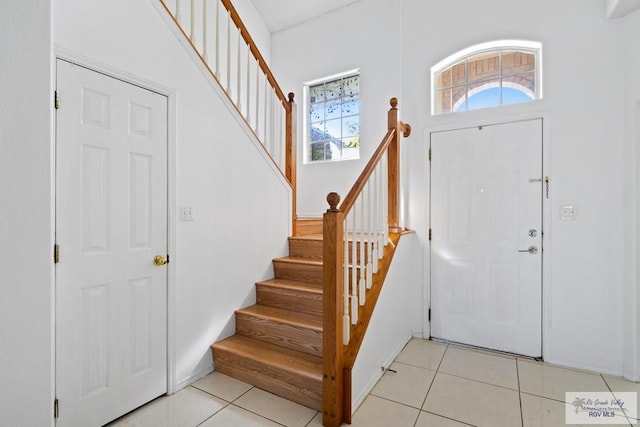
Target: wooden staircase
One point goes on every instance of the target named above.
(278, 341)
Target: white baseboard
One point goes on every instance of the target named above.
(374, 380)
(193, 378)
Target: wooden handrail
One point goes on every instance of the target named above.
(394, 127)
(255, 51)
(348, 306)
(357, 188)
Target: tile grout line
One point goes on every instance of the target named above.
(444, 353)
(519, 391)
(257, 414)
(616, 397)
(409, 364)
(231, 403)
(479, 382)
(227, 403)
(312, 418)
(264, 416)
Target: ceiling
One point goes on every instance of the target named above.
(281, 14)
(620, 8)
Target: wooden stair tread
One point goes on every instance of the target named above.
(293, 285)
(283, 358)
(299, 260)
(314, 237)
(293, 318)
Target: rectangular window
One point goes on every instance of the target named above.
(332, 125)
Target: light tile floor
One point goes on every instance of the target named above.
(429, 385)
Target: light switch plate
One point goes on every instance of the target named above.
(187, 213)
(569, 212)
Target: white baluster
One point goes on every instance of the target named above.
(269, 127)
(192, 24)
(248, 86)
(369, 246)
(273, 146)
(257, 129)
(274, 125)
(239, 71)
(264, 122)
(205, 22)
(362, 251)
(178, 12)
(346, 327)
(281, 126)
(217, 39)
(376, 216)
(354, 265)
(229, 53)
(381, 210)
(385, 204)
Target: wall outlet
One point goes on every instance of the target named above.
(187, 213)
(569, 212)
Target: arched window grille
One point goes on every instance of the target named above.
(487, 75)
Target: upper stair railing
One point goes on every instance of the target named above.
(359, 241)
(221, 40)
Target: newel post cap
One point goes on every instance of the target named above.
(333, 199)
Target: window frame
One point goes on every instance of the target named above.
(498, 46)
(306, 110)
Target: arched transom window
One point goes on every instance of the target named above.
(487, 75)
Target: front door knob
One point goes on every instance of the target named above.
(160, 260)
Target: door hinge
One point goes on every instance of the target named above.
(56, 408)
(430, 234)
(429, 154)
(56, 253)
(429, 315)
(56, 100)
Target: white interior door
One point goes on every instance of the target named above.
(486, 212)
(111, 220)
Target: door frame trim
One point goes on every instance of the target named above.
(127, 77)
(484, 119)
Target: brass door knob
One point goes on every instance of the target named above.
(160, 260)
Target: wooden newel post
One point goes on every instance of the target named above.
(290, 153)
(333, 257)
(393, 170)
(393, 156)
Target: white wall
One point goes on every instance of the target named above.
(396, 317)
(242, 204)
(631, 318)
(26, 201)
(342, 40)
(584, 152)
(583, 107)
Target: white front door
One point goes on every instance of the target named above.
(486, 222)
(111, 220)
